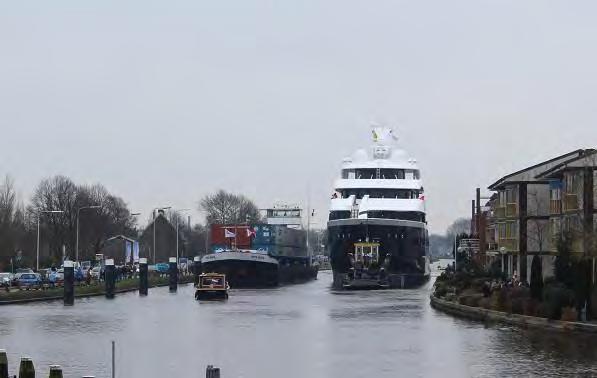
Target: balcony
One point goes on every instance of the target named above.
(511, 244)
(500, 212)
(511, 210)
(571, 202)
(555, 207)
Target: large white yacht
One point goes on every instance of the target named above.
(377, 230)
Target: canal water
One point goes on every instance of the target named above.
(301, 331)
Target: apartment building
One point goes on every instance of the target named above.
(573, 204)
(520, 217)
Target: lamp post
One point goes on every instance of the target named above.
(177, 221)
(77, 238)
(38, 219)
(154, 220)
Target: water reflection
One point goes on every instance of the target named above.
(296, 331)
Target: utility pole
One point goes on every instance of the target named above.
(77, 239)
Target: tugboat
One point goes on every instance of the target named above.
(377, 228)
(212, 286)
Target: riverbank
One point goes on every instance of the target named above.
(30, 296)
(523, 321)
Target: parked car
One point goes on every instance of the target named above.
(29, 281)
(96, 272)
(6, 280)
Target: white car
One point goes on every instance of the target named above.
(96, 272)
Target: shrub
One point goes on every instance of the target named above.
(531, 307)
(569, 314)
(441, 290)
(503, 300)
(518, 306)
(471, 300)
(536, 278)
(485, 303)
(555, 297)
(593, 308)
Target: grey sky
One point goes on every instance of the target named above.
(164, 102)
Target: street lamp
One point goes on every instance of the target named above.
(177, 220)
(154, 220)
(38, 218)
(77, 239)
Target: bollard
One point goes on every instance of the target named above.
(26, 370)
(55, 371)
(3, 364)
(69, 283)
(110, 278)
(173, 274)
(212, 372)
(196, 270)
(143, 279)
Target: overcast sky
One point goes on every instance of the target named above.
(164, 102)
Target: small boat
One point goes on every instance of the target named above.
(212, 286)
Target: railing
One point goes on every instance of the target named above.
(469, 245)
(570, 202)
(555, 207)
(511, 210)
(511, 244)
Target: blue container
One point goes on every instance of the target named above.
(263, 234)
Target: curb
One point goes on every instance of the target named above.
(89, 295)
(522, 321)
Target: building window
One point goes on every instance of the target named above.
(511, 195)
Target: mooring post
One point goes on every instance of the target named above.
(113, 359)
(212, 372)
(3, 364)
(110, 278)
(55, 371)
(196, 269)
(26, 369)
(173, 273)
(69, 283)
(143, 276)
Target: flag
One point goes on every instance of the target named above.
(251, 232)
(422, 197)
(229, 234)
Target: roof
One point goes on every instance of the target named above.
(122, 237)
(531, 173)
(587, 159)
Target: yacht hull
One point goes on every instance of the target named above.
(403, 253)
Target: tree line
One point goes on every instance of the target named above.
(57, 203)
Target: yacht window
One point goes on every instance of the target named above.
(391, 174)
(348, 174)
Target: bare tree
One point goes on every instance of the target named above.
(538, 232)
(458, 227)
(60, 193)
(228, 208)
(12, 222)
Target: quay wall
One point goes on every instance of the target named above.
(100, 292)
(523, 321)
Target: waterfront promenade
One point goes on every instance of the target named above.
(293, 331)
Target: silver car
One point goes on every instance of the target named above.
(6, 279)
